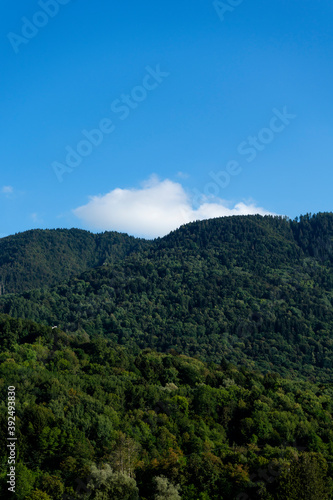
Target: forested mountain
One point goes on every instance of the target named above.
(94, 421)
(257, 291)
(197, 366)
(41, 258)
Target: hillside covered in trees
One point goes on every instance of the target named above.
(197, 366)
(40, 258)
(94, 421)
(257, 291)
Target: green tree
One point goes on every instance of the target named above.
(305, 478)
(25, 481)
(125, 455)
(53, 486)
(107, 484)
(166, 490)
(38, 495)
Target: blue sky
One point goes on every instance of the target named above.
(196, 112)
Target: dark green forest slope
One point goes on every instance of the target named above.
(39, 258)
(193, 367)
(257, 291)
(96, 422)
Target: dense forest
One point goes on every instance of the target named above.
(40, 258)
(257, 291)
(197, 366)
(95, 421)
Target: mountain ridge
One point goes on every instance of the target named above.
(253, 290)
(44, 257)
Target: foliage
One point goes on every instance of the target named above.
(106, 483)
(196, 366)
(40, 258)
(254, 290)
(166, 490)
(116, 426)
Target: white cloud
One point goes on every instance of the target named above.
(182, 175)
(154, 210)
(7, 189)
(35, 217)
